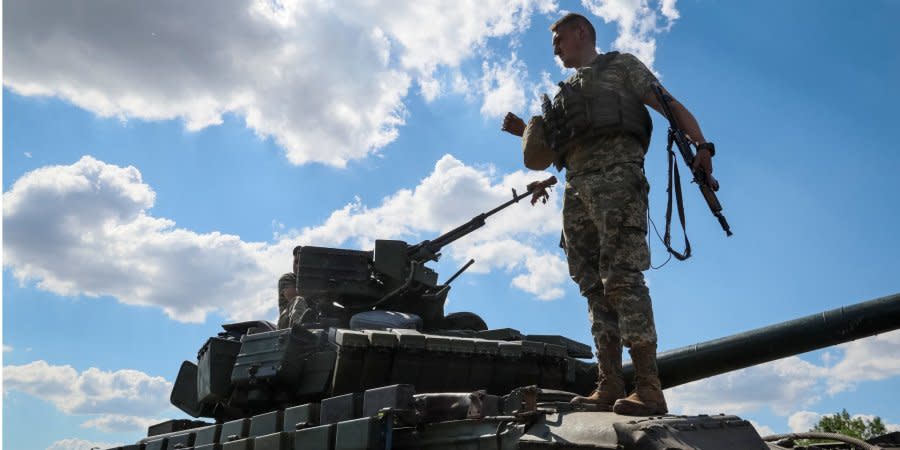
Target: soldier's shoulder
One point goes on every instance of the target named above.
(629, 59)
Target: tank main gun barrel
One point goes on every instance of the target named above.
(813, 332)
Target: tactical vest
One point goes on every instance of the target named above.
(585, 109)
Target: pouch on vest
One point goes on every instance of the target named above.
(535, 151)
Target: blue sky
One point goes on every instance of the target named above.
(160, 161)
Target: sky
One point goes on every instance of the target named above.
(161, 159)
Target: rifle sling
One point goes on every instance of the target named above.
(675, 178)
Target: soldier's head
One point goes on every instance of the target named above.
(574, 40)
(287, 286)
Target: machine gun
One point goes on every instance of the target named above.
(429, 250)
(393, 276)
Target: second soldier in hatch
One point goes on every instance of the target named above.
(287, 294)
(598, 129)
(291, 305)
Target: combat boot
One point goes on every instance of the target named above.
(647, 398)
(610, 383)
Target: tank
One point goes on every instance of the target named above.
(377, 364)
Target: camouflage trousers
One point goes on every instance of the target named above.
(604, 229)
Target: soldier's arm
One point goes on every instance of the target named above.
(684, 117)
(642, 81)
(689, 125)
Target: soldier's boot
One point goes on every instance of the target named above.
(610, 383)
(647, 398)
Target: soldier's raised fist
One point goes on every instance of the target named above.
(513, 124)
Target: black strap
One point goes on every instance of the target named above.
(673, 170)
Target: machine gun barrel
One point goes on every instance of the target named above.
(429, 250)
(765, 344)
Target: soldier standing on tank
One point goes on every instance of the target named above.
(605, 204)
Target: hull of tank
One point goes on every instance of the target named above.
(394, 417)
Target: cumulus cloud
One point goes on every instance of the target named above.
(119, 401)
(866, 360)
(272, 63)
(790, 386)
(803, 421)
(763, 430)
(93, 391)
(85, 229)
(80, 444)
(545, 86)
(116, 423)
(780, 385)
(308, 74)
(502, 86)
(638, 23)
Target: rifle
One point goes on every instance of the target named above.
(429, 250)
(678, 137)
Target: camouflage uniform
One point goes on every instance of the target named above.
(605, 220)
(284, 304)
(290, 310)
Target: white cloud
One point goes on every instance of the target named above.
(271, 63)
(430, 86)
(638, 23)
(545, 86)
(27, 154)
(80, 444)
(116, 423)
(431, 33)
(789, 386)
(780, 385)
(865, 360)
(502, 86)
(803, 421)
(763, 430)
(308, 74)
(890, 427)
(85, 229)
(459, 84)
(7, 348)
(94, 391)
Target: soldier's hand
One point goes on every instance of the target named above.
(539, 191)
(703, 161)
(513, 124)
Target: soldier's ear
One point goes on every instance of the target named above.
(580, 30)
